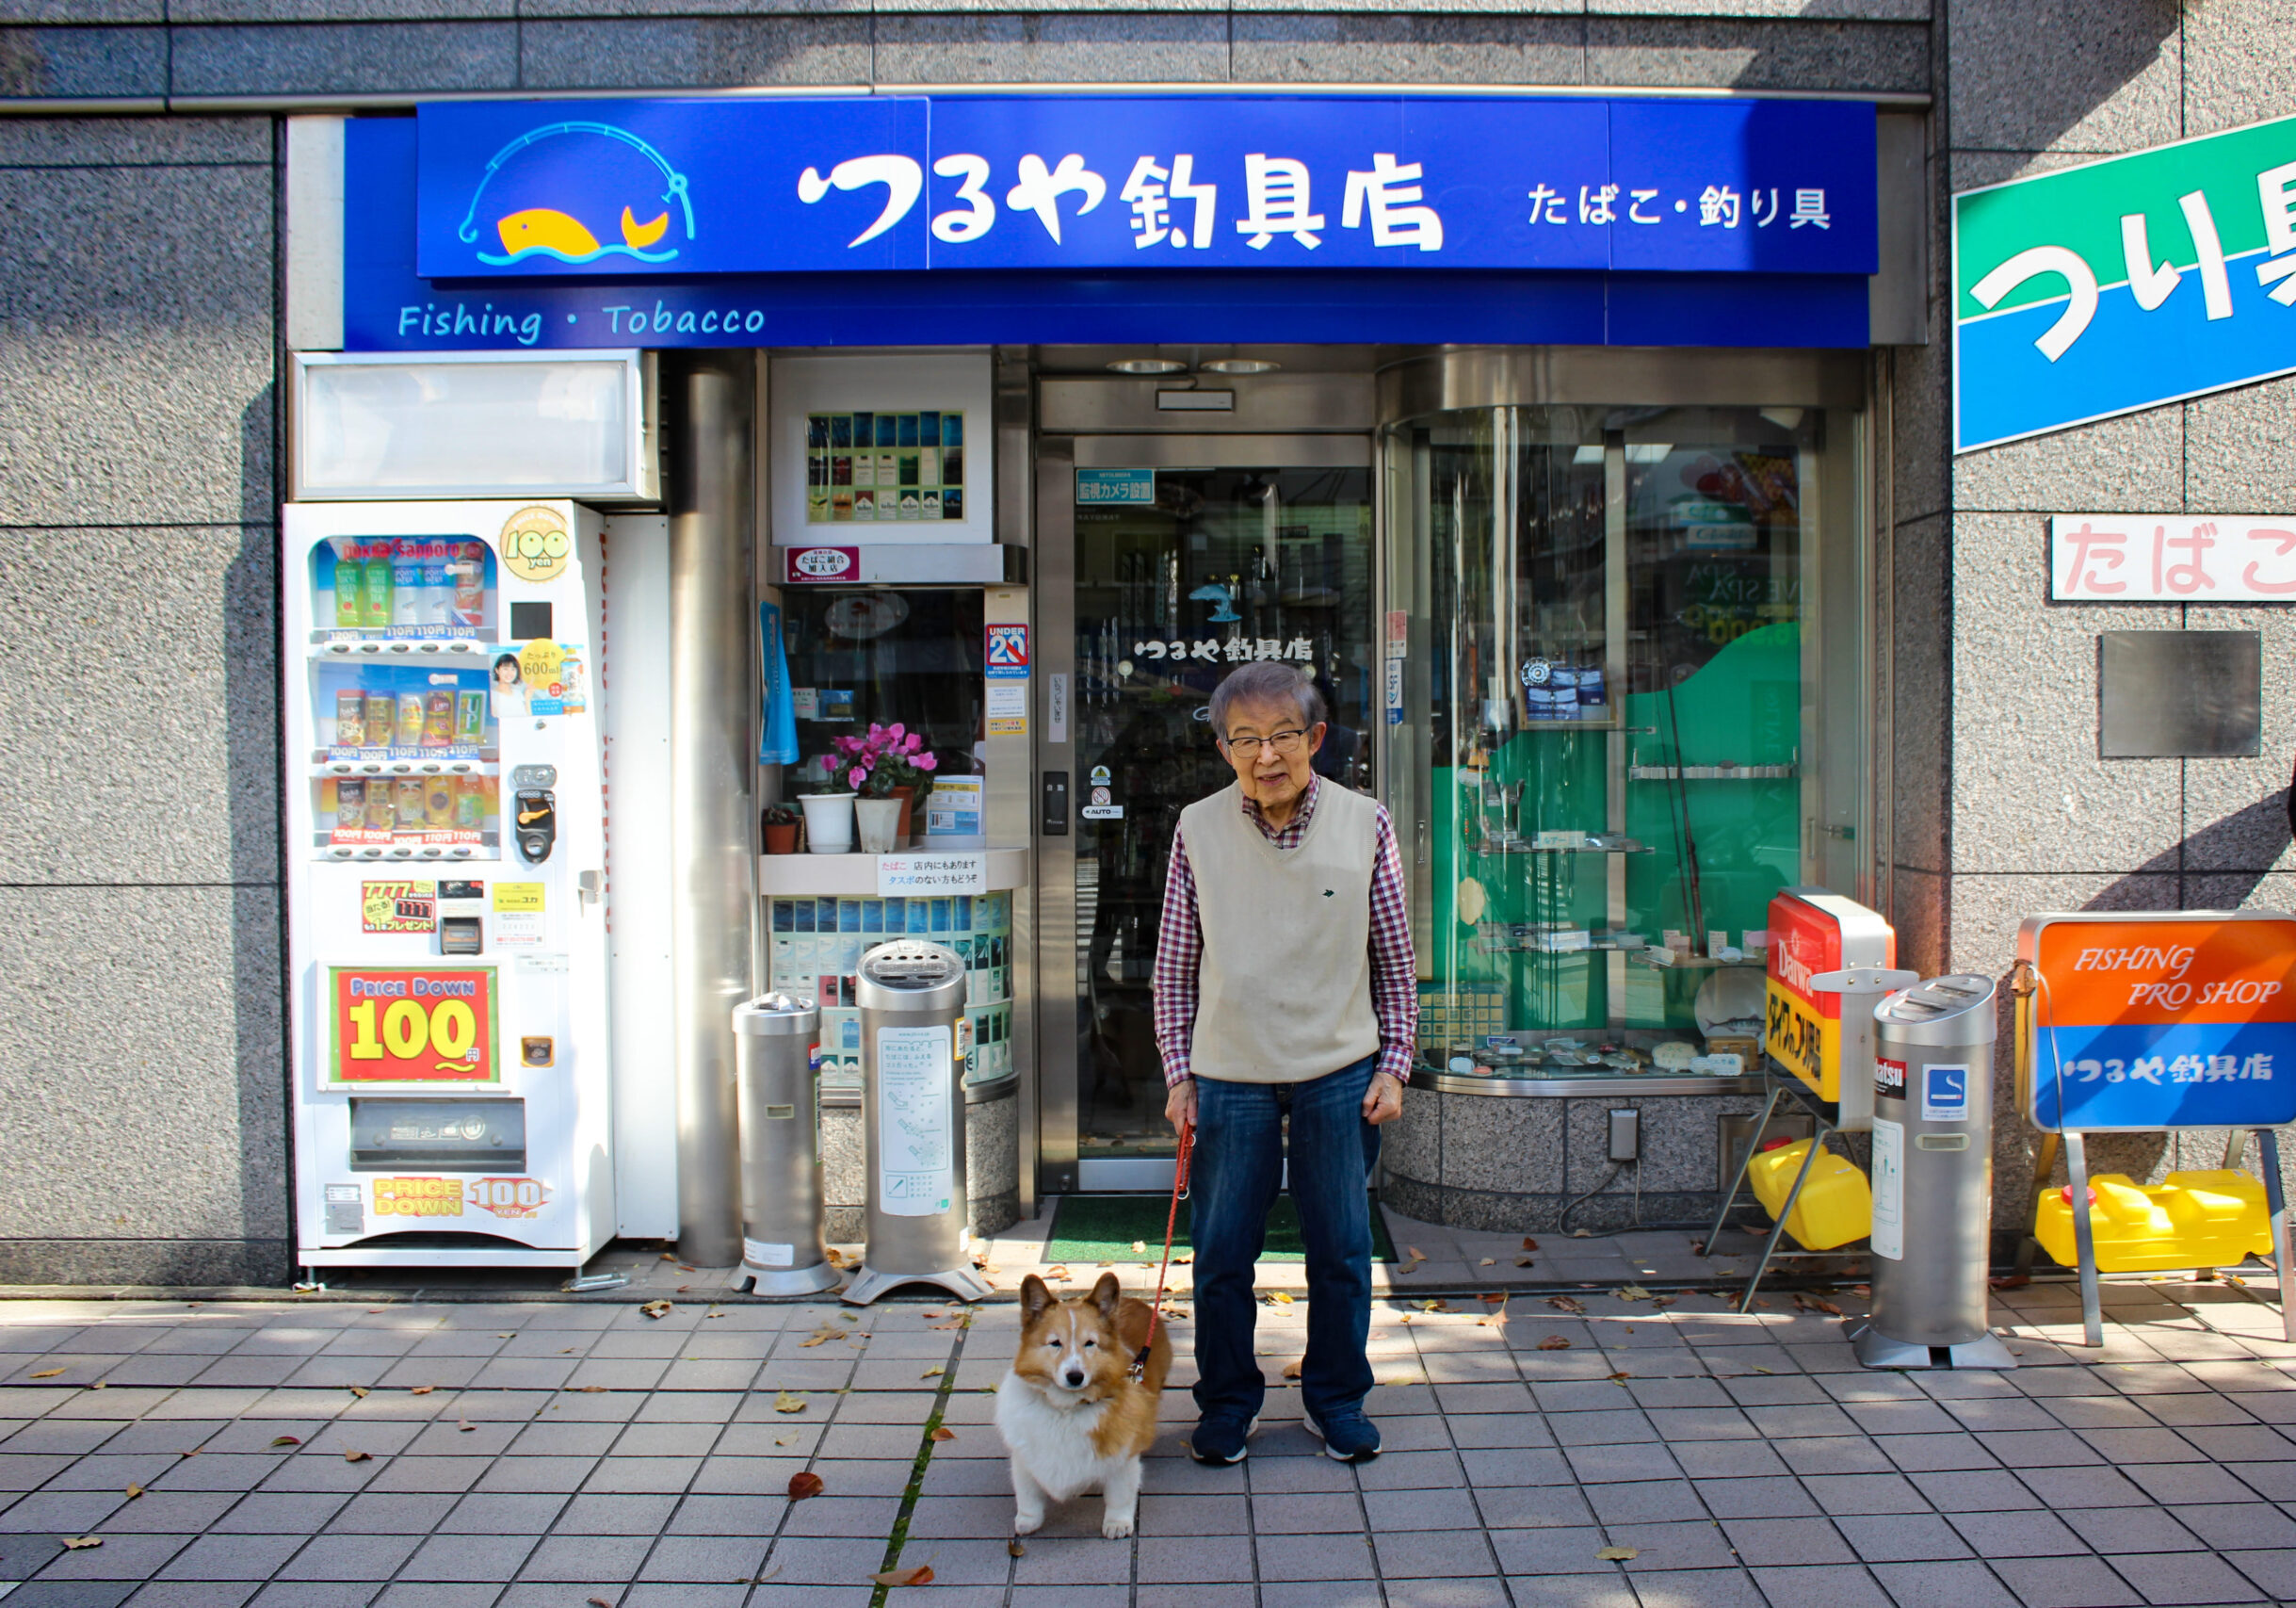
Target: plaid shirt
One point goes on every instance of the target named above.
(1179, 949)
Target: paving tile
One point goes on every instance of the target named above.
(231, 1557)
(1417, 1553)
(2017, 1534)
(127, 1557)
(1533, 1507)
(1644, 1501)
(352, 1557)
(1523, 1466)
(194, 1594)
(1561, 1550)
(2065, 1582)
(469, 1558)
(1306, 1557)
(2185, 1577)
(1785, 1541)
(1571, 1591)
(1943, 1586)
(1901, 1537)
(702, 1558)
(1839, 1494)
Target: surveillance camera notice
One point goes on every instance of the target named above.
(904, 875)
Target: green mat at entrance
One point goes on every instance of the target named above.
(1089, 1228)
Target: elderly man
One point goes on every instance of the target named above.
(1284, 987)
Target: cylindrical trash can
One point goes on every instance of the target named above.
(1933, 1178)
(913, 1049)
(774, 1041)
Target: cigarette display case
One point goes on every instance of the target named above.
(446, 881)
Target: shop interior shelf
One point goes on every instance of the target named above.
(1527, 849)
(1605, 945)
(855, 875)
(1701, 963)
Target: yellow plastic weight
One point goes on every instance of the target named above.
(1835, 1206)
(2213, 1219)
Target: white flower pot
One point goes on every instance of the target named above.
(829, 823)
(880, 820)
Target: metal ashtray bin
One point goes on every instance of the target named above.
(912, 998)
(1933, 1178)
(774, 1040)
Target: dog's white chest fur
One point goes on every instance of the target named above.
(1053, 1444)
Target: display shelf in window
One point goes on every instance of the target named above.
(1722, 773)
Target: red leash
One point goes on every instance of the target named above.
(1172, 1220)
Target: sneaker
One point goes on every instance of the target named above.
(1219, 1441)
(1354, 1439)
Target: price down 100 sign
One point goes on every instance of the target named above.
(405, 1025)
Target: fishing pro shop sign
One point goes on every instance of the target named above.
(2124, 284)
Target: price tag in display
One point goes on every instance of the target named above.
(413, 1025)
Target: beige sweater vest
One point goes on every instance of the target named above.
(1284, 984)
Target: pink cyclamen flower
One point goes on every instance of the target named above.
(854, 776)
(917, 740)
(895, 731)
(927, 762)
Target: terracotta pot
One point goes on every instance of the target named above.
(901, 833)
(782, 840)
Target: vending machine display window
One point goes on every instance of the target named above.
(1625, 704)
(402, 587)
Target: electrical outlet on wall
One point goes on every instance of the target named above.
(1626, 1135)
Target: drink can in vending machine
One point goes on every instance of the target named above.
(406, 582)
(350, 719)
(439, 803)
(470, 718)
(351, 576)
(409, 720)
(381, 718)
(469, 803)
(375, 595)
(414, 810)
(438, 585)
(350, 803)
(382, 813)
(438, 718)
(469, 576)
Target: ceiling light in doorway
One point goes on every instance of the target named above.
(1240, 366)
(1784, 418)
(1146, 365)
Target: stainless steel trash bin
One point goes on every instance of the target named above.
(774, 1042)
(1933, 1178)
(912, 998)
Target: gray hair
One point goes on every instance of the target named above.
(1267, 681)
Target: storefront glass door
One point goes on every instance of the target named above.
(1181, 574)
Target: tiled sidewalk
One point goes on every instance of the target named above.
(566, 1452)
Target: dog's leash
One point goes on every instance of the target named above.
(1172, 1220)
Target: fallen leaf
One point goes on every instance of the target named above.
(133, 1491)
(1522, 1262)
(1415, 1252)
(1619, 1378)
(787, 1403)
(361, 1391)
(934, 1373)
(1497, 1297)
(1861, 1290)
(1530, 1243)
(591, 1390)
(942, 1432)
(1184, 1258)
(466, 1426)
(1488, 1262)
(1553, 1342)
(505, 1337)
(921, 1575)
(1759, 1369)
(1139, 1246)
(785, 1440)
(1661, 1303)
(286, 1441)
(1060, 1273)
(1619, 1555)
(1278, 1298)
(46, 1373)
(803, 1485)
(372, 1310)
(357, 1457)
(422, 1390)
(76, 1543)
(1632, 1292)
(683, 1289)
(600, 1602)
(1814, 1304)
(670, 1256)
(1432, 1304)
(656, 1308)
(952, 1323)
(186, 1454)
(1015, 1548)
(1291, 1369)
(97, 1386)
(1566, 1304)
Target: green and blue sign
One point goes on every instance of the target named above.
(2123, 285)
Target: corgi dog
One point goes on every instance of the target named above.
(1073, 1415)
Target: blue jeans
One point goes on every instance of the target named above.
(1233, 1182)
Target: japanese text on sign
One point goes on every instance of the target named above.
(899, 875)
(402, 1025)
(2163, 1021)
(682, 188)
(2124, 557)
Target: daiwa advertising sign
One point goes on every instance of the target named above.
(2152, 1021)
(1813, 932)
(2124, 284)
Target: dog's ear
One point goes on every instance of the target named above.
(1035, 1296)
(1107, 1294)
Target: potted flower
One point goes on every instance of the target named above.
(781, 828)
(888, 764)
(829, 812)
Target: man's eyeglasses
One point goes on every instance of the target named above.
(1282, 741)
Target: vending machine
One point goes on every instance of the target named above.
(447, 886)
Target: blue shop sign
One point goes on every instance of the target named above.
(671, 189)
